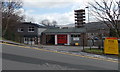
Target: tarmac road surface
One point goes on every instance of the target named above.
(22, 58)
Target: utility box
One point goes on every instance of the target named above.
(111, 46)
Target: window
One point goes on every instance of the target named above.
(31, 39)
(75, 35)
(31, 29)
(78, 35)
(20, 29)
(25, 39)
(72, 35)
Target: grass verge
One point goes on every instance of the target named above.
(0, 38)
(93, 50)
(96, 51)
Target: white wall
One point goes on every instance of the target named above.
(40, 30)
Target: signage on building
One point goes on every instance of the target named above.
(76, 38)
(111, 46)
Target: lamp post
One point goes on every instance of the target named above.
(119, 7)
(101, 37)
(83, 41)
(88, 13)
(91, 39)
(102, 32)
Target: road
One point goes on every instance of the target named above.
(25, 58)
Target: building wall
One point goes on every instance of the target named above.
(43, 38)
(29, 37)
(25, 28)
(75, 38)
(71, 39)
(78, 39)
(30, 40)
(40, 30)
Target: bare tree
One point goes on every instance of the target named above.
(107, 11)
(45, 22)
(54, 23)
(10, 15)
(30, 19)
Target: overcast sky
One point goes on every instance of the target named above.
(60, 10)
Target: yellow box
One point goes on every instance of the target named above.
(111, 46)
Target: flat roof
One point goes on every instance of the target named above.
(68, 30)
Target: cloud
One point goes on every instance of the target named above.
(62, 19)
(51, 3)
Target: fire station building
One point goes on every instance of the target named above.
(64, 36)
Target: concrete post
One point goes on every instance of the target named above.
(55, 39)
(68, 39)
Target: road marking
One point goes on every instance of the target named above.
(110, 60)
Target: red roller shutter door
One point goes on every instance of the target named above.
(62, 39)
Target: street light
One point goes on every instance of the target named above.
(83, 41)
(88, 13)
(102, 32)
(92, 41)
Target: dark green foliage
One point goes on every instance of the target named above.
(9, 35)
(113, 33)
(10, 18)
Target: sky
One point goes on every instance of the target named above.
(61, 11)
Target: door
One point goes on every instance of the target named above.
(62, 39)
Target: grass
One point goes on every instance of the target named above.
(0, 38)
(93, 50)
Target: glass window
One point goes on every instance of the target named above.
(20, 29)
(75, 35)
(78, 35)
(71, 35)
(31, 29)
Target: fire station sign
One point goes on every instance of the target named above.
(76, 38)
(111, 46)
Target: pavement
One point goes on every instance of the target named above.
(67, 49)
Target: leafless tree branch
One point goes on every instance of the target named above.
(108, 12)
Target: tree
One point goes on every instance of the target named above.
(54, 23)
(108, 11)
(30, 19)
(10, 15)
(45, 22)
